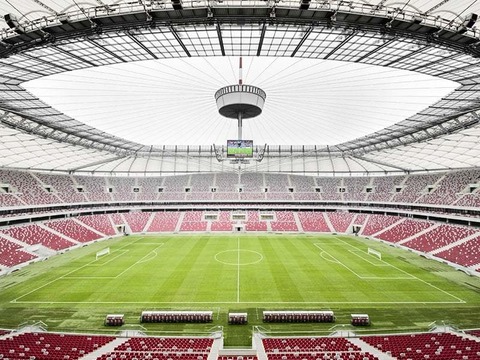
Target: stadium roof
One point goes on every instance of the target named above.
(127, 87)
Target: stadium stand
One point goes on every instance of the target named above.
(149, 188)
(405, 229)
(73, 230)
(465, 254)
(64, 187)
(384, 187)
(193, 221)
(161, 348)
(355, 188)
(329, 187)
(164, 221)
(27, 188)
(340, 220)
(313, 348)
(438, 237)
(34, 234)
(94, 188)
(122, 188)
(438, 346)
(101, 223)
(313, 221)
(12, 254)
(414, 187)
(50, 346)
(223, 222)
(376, 223)
(137, 220)
(285, 221)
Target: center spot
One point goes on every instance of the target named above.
(239, 257)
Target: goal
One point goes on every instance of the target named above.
(102, 253)
(374, 253)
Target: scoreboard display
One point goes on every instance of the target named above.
(239, 149)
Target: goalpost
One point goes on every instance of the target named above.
(374, 253)
(102, 253)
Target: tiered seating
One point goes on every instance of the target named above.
(164, 221)
(340, 220)
(276, 182)
(253, 222)
(64, 187)
(122, 188)
(223, 222)
(117, 219)
(438, 346)
(252, 196)
(384, 187)
(474, 332)
(285, 221)
(201, 183)
(376, 223)
(7, 199)
(94, 187)
(176, 184)
(49, 346)
(360, 219)
(226, 183)
(237, 357)
(439, 237)
(253, 183)
(469, 200)
(404, 230)
(414, 187)
(466, 254)
(162, 349)
(313, 221)
(302, 183)
(34, 234)
(329, 188)
(73, 230)
(12, 254)
(313, 348)
(29, 189)
(100, 223)
(149, 187)
(193, 221)
(137, 220)
(449, 187)
(226, 196)
(355, 188)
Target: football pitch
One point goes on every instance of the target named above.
(248, 273)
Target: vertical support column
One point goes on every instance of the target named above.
(240, 125)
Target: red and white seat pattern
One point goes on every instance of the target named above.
(313, 348)
(50, 346)
(403, 230)
(12, 254)
(73, 230)
(438, 346)
(34, 234)
(164, 221)
(313, 221)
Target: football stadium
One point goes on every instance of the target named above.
(239, 180)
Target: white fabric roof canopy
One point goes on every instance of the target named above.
(344, 114)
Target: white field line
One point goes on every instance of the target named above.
(238, 269)
(243, 302)
(338, 261)
(143, 259)
(356, 253)
(64, 275)
(112, 259)
(414, 277)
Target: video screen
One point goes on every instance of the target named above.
(239, 149)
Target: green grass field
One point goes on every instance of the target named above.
(252, 273)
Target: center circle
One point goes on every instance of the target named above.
(238, 257)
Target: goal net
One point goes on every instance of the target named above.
(102, 253)
(375, 253)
